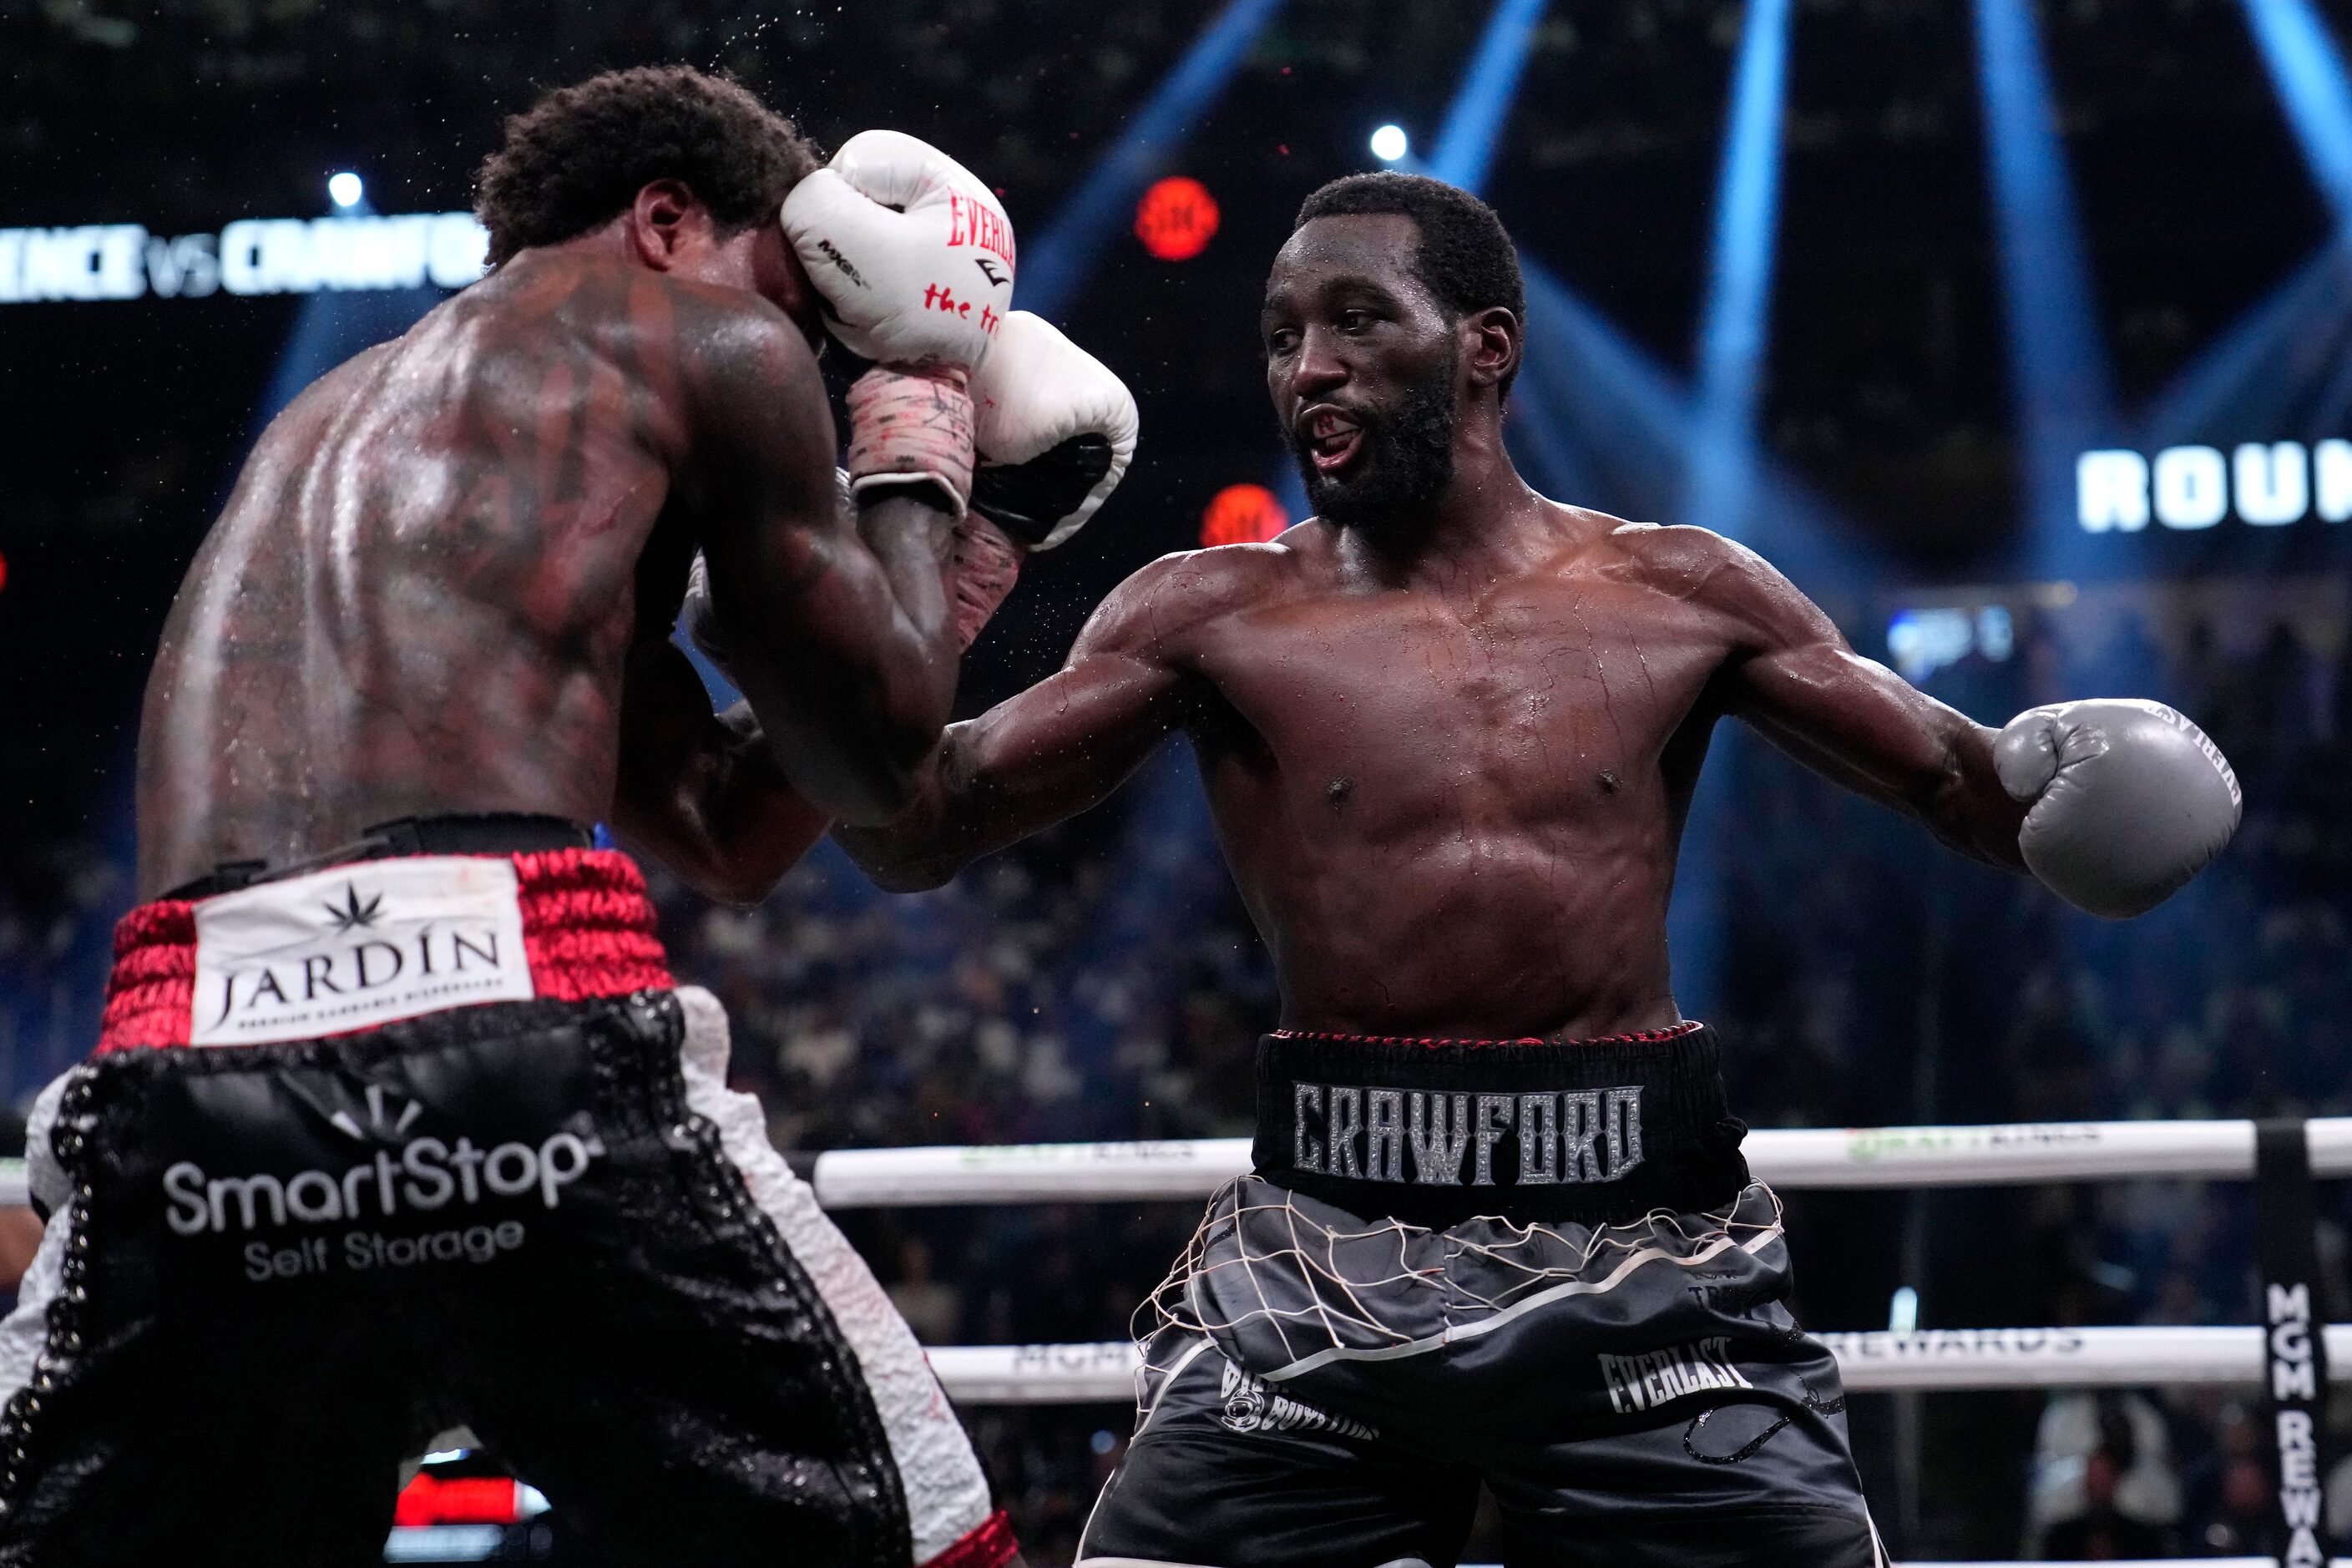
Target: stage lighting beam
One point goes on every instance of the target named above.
(2060, 384)
(1735, 327)
(1482, 104)
(2308, 71)
(1056, 264)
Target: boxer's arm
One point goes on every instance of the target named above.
(836, 615)
(701, 791)
(1851, 719)
(1057, 748)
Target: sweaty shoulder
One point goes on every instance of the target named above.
(674, 334)
(1721, 577)
(728, 343)
(1163, 605)
(738, 367)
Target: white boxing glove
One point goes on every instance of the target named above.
(910, 252)
(1055, 433)
(2130, 800)
(912, 256)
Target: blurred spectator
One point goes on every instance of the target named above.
(2229, 1504)
(2102, 1531)
(2104, 1485)
(932, 1307)
(1103, 981)
(20, 1229)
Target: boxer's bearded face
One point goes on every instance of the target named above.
(1364, 369)
(1396, 461)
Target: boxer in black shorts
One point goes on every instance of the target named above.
(398, 1119)
(1607, 1349)
(1498, 1229)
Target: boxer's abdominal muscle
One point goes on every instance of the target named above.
(1452, 797)
(1458, 819)
(421, 594)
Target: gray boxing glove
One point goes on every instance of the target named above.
(2130, 800)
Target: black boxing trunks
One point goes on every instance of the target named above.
(411, 1141)
(1537, 1265)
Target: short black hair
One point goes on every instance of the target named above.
(1465, 259)
(581, 154)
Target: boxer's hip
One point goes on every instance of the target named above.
(406, 924)
(1562, 1234)
(430, 1132)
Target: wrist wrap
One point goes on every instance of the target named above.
(910, 427)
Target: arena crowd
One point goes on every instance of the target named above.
(1103, 981)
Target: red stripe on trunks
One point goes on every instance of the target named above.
(587, 928)
(989, 1546)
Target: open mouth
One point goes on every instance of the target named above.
(1331, 438)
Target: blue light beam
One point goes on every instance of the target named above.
(2060, 385)
(1061, 260)
(1482, 104)
(1735, 329)
(2309, 72)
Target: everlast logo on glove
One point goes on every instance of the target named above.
(1364, 1132)
(356, 947)
(971, 222)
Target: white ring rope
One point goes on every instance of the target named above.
(1877, 1363)
(1793, 1158)
(1790, 1158)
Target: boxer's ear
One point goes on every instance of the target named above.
(668, 224)
(1491, 345)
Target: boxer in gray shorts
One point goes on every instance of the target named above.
(1499, 1229)
(1607, 1349)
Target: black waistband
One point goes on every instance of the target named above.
(444, 833)
(1591, 1132)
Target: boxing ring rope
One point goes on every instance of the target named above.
(1937, 1360)
(1793, 1159)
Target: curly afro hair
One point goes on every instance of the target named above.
(582, 153)
(1465, 259)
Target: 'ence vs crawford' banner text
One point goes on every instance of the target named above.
(252, 256)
